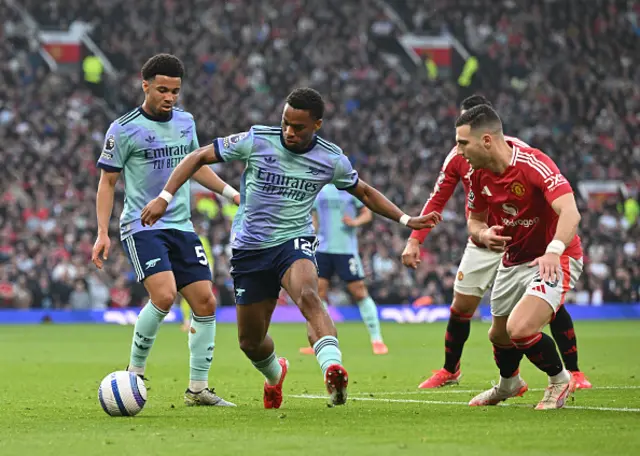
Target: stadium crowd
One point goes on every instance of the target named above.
(564, 78)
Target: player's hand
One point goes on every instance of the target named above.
(153, 211)
(549, 266)
(425, 221)
(236, 200)
(411, 254)
(102, 245)
(349, 221)
(493, 240)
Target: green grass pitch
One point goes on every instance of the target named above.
(50, 374)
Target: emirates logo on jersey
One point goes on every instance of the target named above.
(518, 189)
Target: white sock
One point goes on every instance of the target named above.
(509, 384)
(562, 377)
(195, 386)
(136, 370)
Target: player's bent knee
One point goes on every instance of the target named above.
(465, 304)
(164, 299)
(308, 297)
(205, 307)
(358, 290)
(520, 329)
(498, 335)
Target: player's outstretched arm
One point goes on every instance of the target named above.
(379, 204)
(207, 177)
(183, 172)
(104, 207)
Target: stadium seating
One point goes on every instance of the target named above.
(573, 92)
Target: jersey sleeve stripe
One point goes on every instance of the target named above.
(130, 118)
(517, 141)
(450, 157)
(540, 163)
(446, 162)
(534, 163)
(127, 115)
(267, 128)
(514, 157)
(329, 146)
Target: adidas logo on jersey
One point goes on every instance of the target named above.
(486, 191)
(540, 289)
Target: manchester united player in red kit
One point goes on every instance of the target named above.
(536, 229)
(476, 274)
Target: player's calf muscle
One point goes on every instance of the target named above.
(498, 334)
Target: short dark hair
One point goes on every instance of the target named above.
(474, 100)
(164, 65)
(481, 116)
(307, 99)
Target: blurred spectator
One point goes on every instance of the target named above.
(563, 76)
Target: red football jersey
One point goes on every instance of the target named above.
(454, 169)
(520, 198)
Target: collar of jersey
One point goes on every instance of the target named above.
(311, 145)
(155, 118)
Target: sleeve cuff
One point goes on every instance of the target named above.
(216, 149)
(109, 169)
(420, 235)
(354, 185)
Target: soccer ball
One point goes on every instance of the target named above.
(122, 393)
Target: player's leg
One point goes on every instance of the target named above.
(525, 324)
(300, 279)
(351, 271)
(258, 346)
(458, 329)
(507, 359)
(257, 289)
(193, 279)
(564, 334)
(505, 294)
(255, 342)
(185, 310)
(202, 333)
(369, 314)
(475, 275)
(325, 272)
(148, 254)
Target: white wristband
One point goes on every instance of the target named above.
(405, 219)
(165, 195)
(556, 246)
(229, 192)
